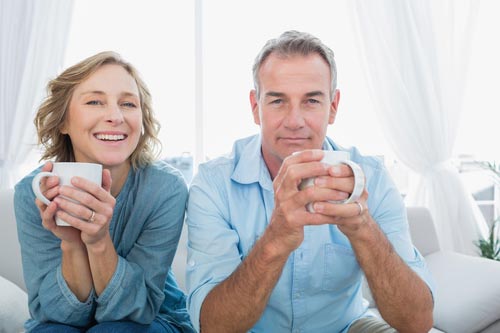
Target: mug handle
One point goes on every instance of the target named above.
(359, 181)
(359, 185)
(35, 185)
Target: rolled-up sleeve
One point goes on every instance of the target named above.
(213, 252)
(49, 297)
(136, 289)
(388, 209)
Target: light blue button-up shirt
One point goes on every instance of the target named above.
(145, 229)
(230, 204)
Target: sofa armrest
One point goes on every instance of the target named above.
(10, 256)
(13, 307)
(422, 230)
(467, 290)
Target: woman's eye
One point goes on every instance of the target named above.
(129, 105)
(95, 102)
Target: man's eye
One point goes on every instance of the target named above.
(95, 102)
(276, 101)
(312, 101)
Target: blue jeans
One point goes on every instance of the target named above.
(108, 327)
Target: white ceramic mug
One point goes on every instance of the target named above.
(336, 157)
(65, 171)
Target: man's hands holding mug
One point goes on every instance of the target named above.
(315, 187)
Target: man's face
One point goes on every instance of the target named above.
(294, 107)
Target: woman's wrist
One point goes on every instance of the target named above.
(67, 246)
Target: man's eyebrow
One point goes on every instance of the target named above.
(274, 94)
(315, 93)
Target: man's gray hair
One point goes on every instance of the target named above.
(295, 43)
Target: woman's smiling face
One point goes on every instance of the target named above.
(104, 119)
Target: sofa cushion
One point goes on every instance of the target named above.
(13, 307)
(467, 297)
(10, 256)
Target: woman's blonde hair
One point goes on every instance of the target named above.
(52, 112)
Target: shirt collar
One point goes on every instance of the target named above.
(251, 168)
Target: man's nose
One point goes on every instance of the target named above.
(294, 117)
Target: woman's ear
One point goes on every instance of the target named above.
(63, 128)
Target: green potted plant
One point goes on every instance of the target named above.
(493, 167)
(490, 247)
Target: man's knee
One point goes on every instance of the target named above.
(371, 325)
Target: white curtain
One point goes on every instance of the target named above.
(415, 55)
(32, 42)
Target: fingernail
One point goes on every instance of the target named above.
(336, 170)
(320, 181)
(317, 152)
(318, 207)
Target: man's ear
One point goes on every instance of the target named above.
(334, 107)
(255, 106)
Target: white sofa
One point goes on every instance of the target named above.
(467, 296)
(13, 298)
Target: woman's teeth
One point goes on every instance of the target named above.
(109, 137)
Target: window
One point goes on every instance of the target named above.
(158, 37)
(231, 42)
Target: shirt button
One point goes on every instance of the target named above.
(191, 263)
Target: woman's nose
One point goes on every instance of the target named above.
(114, 114)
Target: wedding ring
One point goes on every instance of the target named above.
(361, 208)
(91, 219)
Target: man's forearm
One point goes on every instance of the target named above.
(403, 299)
(237, 303)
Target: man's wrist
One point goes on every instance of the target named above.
(272, 250)
(366, 232)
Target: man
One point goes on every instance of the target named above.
(257, 259)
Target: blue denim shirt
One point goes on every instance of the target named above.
(231, 201)
(145, 229)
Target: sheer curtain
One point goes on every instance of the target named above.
(32, 42)
(415, 54)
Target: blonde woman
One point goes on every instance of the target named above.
(110, 270)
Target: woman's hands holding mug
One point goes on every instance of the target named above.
(83, 202)
(87, 207)
(49, 186)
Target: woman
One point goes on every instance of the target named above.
(110, 270)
